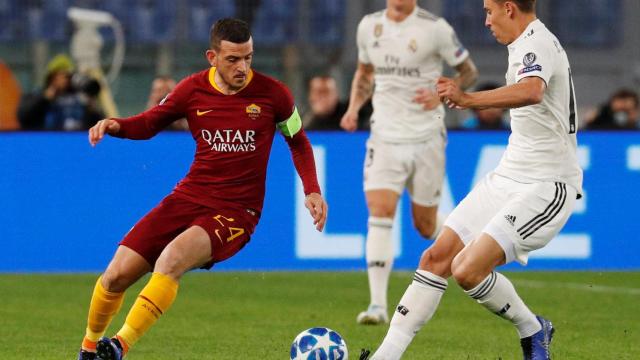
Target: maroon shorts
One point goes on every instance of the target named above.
(229, 229)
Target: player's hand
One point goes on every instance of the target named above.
(450, 93)
(427, 98)
(349, 121)
(106, 126)
(318, 209)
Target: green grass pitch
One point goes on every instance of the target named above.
(255, 315)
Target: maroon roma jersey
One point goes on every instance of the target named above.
(233, 135)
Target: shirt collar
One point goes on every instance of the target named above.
(533, 26)
(413, 14)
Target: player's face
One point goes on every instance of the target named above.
(233, 62)
(401, 4)
(498, 20)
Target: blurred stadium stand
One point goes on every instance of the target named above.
(295, 39)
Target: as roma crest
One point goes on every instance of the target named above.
(253, 111)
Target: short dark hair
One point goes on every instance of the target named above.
(527, 6)
(229, 29)
(626, 94)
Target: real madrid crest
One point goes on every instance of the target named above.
(253, 111)
(377, 30)
(413, 45)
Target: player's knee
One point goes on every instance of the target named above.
(463, 273)
(435, 262)
(381, 209)
(117, 280)
(171, 265)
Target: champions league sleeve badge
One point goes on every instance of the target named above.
(529, 59)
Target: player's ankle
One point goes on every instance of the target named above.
(88, 345)
(123, 344)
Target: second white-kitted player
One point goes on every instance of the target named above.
(401, 51)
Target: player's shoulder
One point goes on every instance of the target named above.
(426, 16)
(270, 84)
(539, 36)
(195, 79)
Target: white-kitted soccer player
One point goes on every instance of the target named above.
(522, 204)
(401, 50)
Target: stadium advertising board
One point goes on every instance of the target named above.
(66, 205)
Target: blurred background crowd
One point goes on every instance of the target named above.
(47, 82)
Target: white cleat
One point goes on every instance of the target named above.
(374, 315)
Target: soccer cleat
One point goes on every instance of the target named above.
(364, 354)
(109, 349)
(374, 315)
(536, 346)
(87, 355)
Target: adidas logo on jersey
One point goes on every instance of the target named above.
(511, 219)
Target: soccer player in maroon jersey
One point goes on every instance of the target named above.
(233, 113)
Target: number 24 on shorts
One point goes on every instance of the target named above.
(234, 232)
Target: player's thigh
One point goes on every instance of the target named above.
(126, 267)
(385, 167)
(425, 182)
(531, 218)
(472, 214)
(438, 257)
(191, 249)
(229, 231)
(382, 202)
(149, 236)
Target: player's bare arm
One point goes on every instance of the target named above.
(467, 76)
(529, 91)
(318, 209)
(361, 91)
(102, 127)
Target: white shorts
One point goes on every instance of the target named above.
(417, 166)
(520, 217)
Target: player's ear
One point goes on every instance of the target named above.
(212, 57)
(509, 8)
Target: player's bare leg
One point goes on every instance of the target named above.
(379, 253)
(421, 299)
(427, 220)
(125, 268)
(188, 250)
(474, 268)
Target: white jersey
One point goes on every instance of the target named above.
(542, 145)
(407, 56)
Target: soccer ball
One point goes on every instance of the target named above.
(319, 343)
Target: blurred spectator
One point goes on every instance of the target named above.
(622, 112)
(161, 86)
(486, 119)
(326, 109)
(9, 99)
(65, 103)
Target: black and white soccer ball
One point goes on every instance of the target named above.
(319, 343)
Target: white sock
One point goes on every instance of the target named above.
(497, 294)
(417, 306)
(379, 254)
